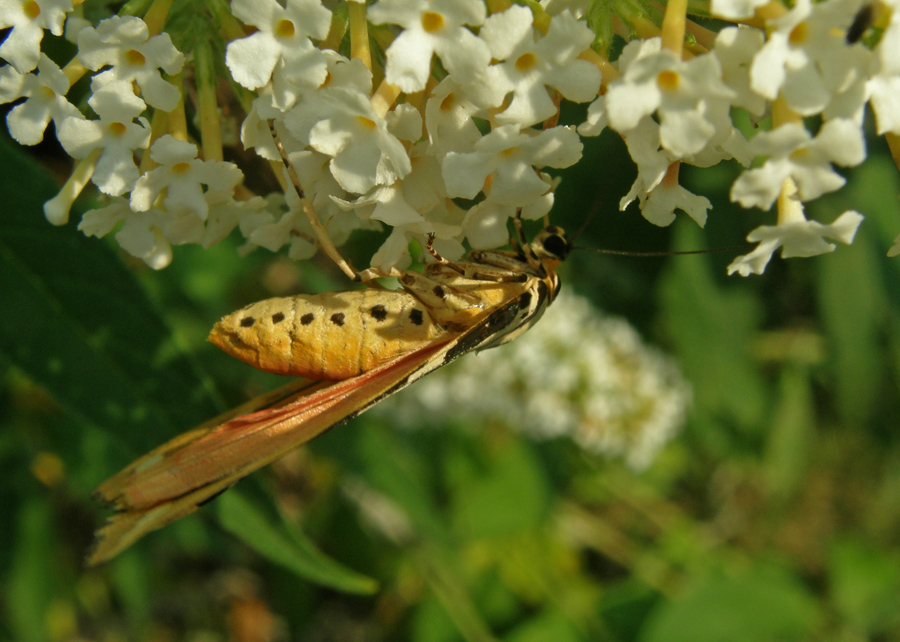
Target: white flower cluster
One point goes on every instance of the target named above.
(451, 135)
(576, 374)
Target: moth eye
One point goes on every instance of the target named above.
(557, 246)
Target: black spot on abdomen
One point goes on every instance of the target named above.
(337, 318)
(416, 317)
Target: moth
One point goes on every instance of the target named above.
(361, 346)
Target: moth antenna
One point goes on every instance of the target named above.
(732, 248)
(321, 234)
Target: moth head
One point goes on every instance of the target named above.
(551, 247)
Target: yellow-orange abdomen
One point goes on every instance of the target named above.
(334, 336)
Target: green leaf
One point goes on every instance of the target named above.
(77, 322)
(763, 604)
(865, 584)
(284, 546)
(791, 435)
(546, 626)
(712, 330)
(509, 494)
(32, 578)
(852, 303)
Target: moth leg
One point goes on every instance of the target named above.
(375, 273)
(518, 242)
(429, 245)
(321, 234)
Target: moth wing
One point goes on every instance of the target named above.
(175, 479)
(190, 470)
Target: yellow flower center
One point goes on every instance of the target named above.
(367, 123)
(509, 151)
(799, 34)
(117, 129)
(668, 80)
(525, 62)
(448, 102)
(135, 57)
(432, 22)
(31, 9)
(181, 168)
(284, 29)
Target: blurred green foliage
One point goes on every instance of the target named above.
(775, 515)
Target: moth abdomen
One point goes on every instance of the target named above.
(332, 336)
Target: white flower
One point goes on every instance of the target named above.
(597, 118)
(364, 152)
(796, 236)
(735, 48)
(315, 105)
(652, 164)
(115, 132)
(140, 234)
(46, 100)
(689, 97)
(449, 120)
(188, 181)
(884, 84)
(510, 155)
(533, 64)
(122, 46)
(283, 38)
(577, 8)
(27, 20)
(659, 206)
(807, 59)
(429, 27)
(794, 153)
(485, 225)
(735, 9)
(286, 223)
(414, 207)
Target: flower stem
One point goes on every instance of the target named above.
(384, 98)
(177, 118)
(339, 24)
(359, 34)
(57, 208)
(156, 15)
(673, 26)
(74, 71)
(210, 125)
